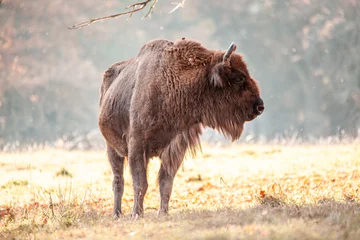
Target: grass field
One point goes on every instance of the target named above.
(235, 192)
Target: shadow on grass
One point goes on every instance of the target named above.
(273, 219)
(269, 211)
(270, 218)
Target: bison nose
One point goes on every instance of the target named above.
(260, 109)
(259, 106)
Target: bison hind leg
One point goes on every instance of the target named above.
(117, 166)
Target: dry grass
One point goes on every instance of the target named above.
(238, 192)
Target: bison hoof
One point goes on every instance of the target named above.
(117, 214)
(162, 213)
(136, 216)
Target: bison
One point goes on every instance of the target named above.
(157, 103)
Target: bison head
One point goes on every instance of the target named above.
(234, 96)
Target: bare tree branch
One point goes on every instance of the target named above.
(151, 9)
(178, 5)
(135, 8)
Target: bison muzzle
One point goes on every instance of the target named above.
(157, 103)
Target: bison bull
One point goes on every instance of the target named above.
(156, 104)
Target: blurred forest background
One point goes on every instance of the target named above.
(304, 53)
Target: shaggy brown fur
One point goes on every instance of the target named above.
(156, 103)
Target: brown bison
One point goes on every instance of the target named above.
(156, 104)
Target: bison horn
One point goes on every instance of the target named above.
(230, 50)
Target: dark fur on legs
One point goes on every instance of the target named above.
(117, 166)
(165, 183)
(138, 161)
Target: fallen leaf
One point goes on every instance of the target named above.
(262, 194)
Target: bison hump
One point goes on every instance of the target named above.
(155, 46)
(188, 53)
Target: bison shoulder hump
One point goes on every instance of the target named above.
(189, 53)
(155, 45)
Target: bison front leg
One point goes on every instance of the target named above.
(117, 166)
(138, 161)
(166, 181)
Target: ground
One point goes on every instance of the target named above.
(232, 192)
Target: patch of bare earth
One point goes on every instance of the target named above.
(236, 192)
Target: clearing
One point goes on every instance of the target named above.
(233, 192)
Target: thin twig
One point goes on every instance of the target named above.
(178, 5)
(150, 9)
(135, 8)
(222, 180)
(51, 205)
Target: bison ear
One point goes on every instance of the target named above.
(220, 75)
(221, 71)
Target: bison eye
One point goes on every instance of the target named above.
(240, 79)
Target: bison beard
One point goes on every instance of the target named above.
(156, 104)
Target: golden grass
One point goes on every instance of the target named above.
(235, 192)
